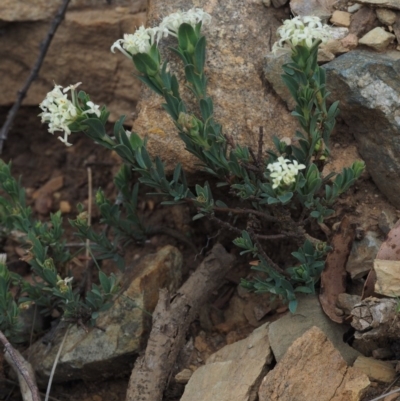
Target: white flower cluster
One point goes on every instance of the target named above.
(171, 24)
(59, 112)
(139, 42)
(142, 40)
(301, 30)
(284, 171)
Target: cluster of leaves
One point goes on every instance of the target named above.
(48, 255)
(281, 209)
(9, 311)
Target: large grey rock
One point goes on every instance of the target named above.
(234, 372)
(240, 34)
(283, 332)
(101, 354)
(368, 87)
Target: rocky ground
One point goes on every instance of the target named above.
(240, 346)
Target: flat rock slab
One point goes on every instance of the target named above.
(313, 370)
(234, 372)
(283, 332)
(100, 354)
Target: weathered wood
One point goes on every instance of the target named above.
(171, 319)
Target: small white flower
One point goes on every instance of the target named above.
(60, 112)
(93, 109)
(139, 42)
(171, 23)
(3, 258)
(301, 30)
(284, 172)
(65, 281)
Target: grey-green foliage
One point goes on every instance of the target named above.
(48, 256)
(282, 211)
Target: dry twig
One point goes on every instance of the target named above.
(171, 320)
(44, 46)
(23, 369)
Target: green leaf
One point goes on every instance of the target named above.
(105, 283)
(200, 55)
(187, 38)
(286, 197)
(293, 305)
(145, 64)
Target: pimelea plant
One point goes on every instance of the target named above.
(48, 256)
(281, 191)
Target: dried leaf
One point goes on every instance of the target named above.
(333, 278)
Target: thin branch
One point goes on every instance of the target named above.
(253, 236)
(246, 211)
(53, 369)
(22, 368)
(34, 72)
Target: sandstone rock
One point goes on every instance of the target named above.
(381, 3)
(387, 277)
(51, 186)
(340, 18)
(375, 370)
(235, 52)
(387, 17)
(313, 370)
(234, 372)
(368, 88)
(35, 10)
(363, 21)
(321, 9)
(335, 47)
(183, 376)
(283, 332)
(363, 253)
(65, 207)
(80, 52)
(350, 42)
(89, 356)
(378, 39)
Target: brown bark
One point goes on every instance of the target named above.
(333, 278)
(171, 320)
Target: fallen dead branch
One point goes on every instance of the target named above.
(171, 320)
(44, 46)
(333, 278)
(23, 369)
